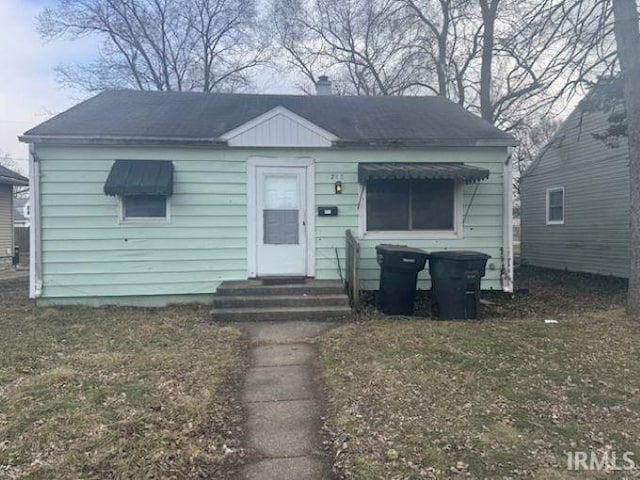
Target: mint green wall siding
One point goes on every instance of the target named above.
(87, 253)
(483, 228)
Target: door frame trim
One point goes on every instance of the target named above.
(252, 204)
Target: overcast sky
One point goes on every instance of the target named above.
(29, 93)
(28, 90)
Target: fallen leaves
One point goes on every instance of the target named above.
(117, 393)
(502, 398)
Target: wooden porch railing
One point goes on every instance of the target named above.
(352, 274)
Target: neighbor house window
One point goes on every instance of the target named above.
(555, 205)
(144, 207)
(406, 205)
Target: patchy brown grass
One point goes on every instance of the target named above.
(115, 392)
(540, 293)
(500, 398)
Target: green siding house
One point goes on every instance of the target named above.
(149, 198)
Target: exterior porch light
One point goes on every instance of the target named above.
(338, 187)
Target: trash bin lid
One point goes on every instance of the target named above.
(401, 257)
(385, 247)
(461, 255)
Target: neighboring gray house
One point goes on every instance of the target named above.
(575, 201)
(8, 179)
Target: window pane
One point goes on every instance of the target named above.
(432, 206)
(387, 205)
(281, 227)
(555, 198)
(145, 206)
(280, 192)
(556, 214)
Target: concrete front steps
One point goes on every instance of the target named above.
(257, 300)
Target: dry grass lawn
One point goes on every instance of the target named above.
(506, 397)
(115, 393)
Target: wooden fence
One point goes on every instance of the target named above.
(352, 275)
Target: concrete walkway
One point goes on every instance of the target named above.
(11, 274)
(282, 399)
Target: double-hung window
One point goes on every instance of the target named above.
(555, 206)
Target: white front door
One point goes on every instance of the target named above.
(281, 228)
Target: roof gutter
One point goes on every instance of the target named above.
(507, 274)
(35, 263)
(109, 140)
(215, 142)
(445, 143)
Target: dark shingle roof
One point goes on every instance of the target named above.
(204, 117)
(8, 176)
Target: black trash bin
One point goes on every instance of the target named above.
(399, 273)
(455, 283)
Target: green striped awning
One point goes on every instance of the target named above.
(140, 177)
(449, 171)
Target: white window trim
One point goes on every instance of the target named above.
(144, 220)
(456, 233)
(548, 197)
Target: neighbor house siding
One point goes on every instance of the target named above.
(595, 235)
(6, 225)
(87, 253)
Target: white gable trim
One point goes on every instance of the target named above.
(279, 127)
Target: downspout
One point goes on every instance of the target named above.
(506, 275)
(35, 262)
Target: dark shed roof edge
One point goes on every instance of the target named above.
(11, 177)
(14, 181)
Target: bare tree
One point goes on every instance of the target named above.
(532, 141)
(628, 41)
(368, 46)
(510, 61)
(207, 45)
(7, 161)
(515, 63)
(449, 38)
